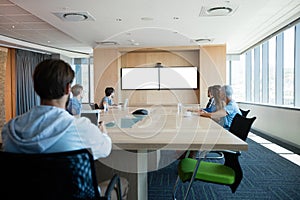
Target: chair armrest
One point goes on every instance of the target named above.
(115, 181)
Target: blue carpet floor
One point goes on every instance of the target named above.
(266, 176)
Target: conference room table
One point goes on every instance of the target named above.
(138, 141)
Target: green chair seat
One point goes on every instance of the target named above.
(207, 171)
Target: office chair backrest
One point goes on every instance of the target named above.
(96, 106)
(244, 112)
(93, 106)
(64, 175)
(241, 126)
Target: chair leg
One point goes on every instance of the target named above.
(175, 188)
(201, 155)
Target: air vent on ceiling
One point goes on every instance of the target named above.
(74, 16)
(107, 43)
(207, 11)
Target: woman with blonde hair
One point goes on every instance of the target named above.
(217, 103)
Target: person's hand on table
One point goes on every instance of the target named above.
(202, 113)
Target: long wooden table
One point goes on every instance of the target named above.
(137, 146)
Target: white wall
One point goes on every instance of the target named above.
(279, 123)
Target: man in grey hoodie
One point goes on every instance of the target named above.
(49, 127)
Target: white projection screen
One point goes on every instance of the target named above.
(139, 78)
(178, 78)
(144, 78)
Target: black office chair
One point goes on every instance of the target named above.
(244, 112)
(52, 176)
(240, 126)
(230, 173)
(93, 106)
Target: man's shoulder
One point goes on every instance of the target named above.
(84, 121)
(85, 126)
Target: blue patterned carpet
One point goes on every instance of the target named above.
(266, 176)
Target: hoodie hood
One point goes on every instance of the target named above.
(36, 130)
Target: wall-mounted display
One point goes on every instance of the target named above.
(155, 78)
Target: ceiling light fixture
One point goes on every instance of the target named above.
(202, 40)
(219, 11)
(76, 17)
(107, 43)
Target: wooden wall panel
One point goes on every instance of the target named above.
(3, 58)
(212, 68)
(106, 72)
(167, 58)
(10, 85)
(211, 61)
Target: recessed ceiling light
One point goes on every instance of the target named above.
(108, 43)
(75, 17)
(202, 40)
(220, 11)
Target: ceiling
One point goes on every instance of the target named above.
(141, 23)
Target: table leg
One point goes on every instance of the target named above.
(142, 179)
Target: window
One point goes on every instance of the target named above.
(288, 66)
(266, 73)
(272, 67)
(237, 78)
(84, 75)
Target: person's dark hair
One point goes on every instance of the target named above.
(109, 91)
(51, 78)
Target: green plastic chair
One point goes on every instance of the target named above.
(230, 173)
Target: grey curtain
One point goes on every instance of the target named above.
(26, 61)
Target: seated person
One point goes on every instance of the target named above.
(74, 106)
(210, 97)
(215, 103)
(107, 100)
(228, 112)
(49, 128)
